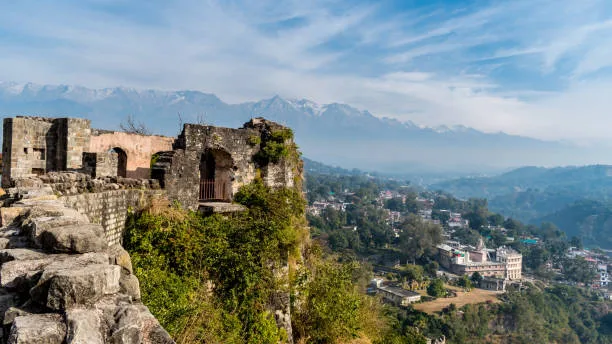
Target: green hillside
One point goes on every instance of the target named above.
(576, 199)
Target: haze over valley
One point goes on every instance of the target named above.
(337, 134)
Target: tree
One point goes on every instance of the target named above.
(418, 237)
(436, 288)
(442, 216)
(465, 282)
(477, 219)
(476, 278)
(394, 204)
(497, 238)
(431, 268)
(579, 270)
(496, 220)
(338, 241)
(130, 125)
(413, 272)
(576, 242)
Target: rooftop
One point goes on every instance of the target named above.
(399, 291)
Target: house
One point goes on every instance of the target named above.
(503, 262)
(399, 296)
(603, 276)
(492, 283)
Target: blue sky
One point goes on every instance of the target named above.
(540, 68)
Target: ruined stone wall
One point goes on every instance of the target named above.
(111, 208)
(139, 149)
(36, 145)
(77, 136)
(104, 201)
(29, 147)
(62, 283)
(179, 170)
(100, 164)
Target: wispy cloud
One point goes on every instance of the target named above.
(537, 67)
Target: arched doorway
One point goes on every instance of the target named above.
(121, 161)
(216, 175)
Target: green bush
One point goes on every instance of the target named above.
(275, 147)
(175, 252)
(436, 288)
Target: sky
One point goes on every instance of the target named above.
(539, 68)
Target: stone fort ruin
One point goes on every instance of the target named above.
(203, 164)
(64, 277)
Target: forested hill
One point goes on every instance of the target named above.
(576, 199)
(593, 182)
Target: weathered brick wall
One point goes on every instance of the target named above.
(110, 208)
(138, 148)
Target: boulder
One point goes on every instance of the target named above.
(37, 226)
(84, 327)
(119, 256)
(74, 287)
(61, 263)
(20, 273)
(9, 214)
(74, 239)
(12, 313)
(135, 324)
(7, 255)
(130, 286)
(38, 329)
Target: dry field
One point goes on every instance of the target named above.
(463, 298)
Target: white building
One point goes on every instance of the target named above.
(513, 261)
(399, 296)
(604, 277)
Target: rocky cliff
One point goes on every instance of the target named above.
(61, 282)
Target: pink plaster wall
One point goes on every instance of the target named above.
(139, 149)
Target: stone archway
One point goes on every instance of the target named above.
(216, 175)
(121, 161)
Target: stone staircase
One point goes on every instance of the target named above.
(60, 281)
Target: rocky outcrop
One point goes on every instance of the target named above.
(60, 281)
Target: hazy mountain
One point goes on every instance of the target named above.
(575, 199)
(336, 134)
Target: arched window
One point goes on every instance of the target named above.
(121, 161)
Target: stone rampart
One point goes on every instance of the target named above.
(105, 201)
(60, 280)
(111, 208)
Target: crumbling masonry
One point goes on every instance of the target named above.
(64, 277)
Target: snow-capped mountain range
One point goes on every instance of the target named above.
(333, 133)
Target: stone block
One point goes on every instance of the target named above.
(74, 239)
(37, 226)
(9, 214)
(19, 273)
(83, 286)
(119, 256)
(84, 327)
(130, 286)
(38, 329)
(7, 255)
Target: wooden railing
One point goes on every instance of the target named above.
(211, 190)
